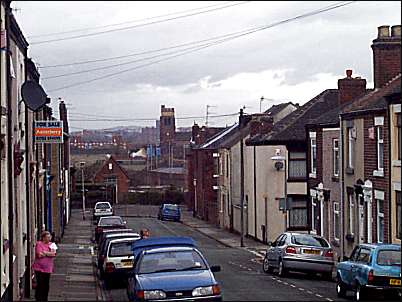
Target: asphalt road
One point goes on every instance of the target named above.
(241, 277)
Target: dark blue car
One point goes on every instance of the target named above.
(371, 269)
(169, 212)
(171, 273)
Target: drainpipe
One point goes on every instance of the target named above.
(390, 237)
(28, 195)
(10, 159)
(255, 196)
(341, 172)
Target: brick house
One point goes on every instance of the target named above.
(116, 178)
(323, 163)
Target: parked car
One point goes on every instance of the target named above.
(172, 273)
(103, 244)
(118, 261)
(299, 252)
(371, 269)
(169, 212)
(101, 209)
(107, 223)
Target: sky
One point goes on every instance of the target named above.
(292, 61)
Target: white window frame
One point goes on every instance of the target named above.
(336, 213)
(313, 150)
(351, 214)
(335, 150)
(350, 148)
(379, 215)
(313, 214)
(380, 143)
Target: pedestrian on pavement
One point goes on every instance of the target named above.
(45, 252)
(144, 233)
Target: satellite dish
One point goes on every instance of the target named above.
(33, 95)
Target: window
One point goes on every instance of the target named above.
(335, 164)
(355, 252)
(351, 147)
(297, 165)
(298, 214)
(305, 239)
(314, 209)
(380, 148)
(364, 256)
(389, 258)
(398, 131)
(398, 215)
(313, 147)
(337, 223)
(351, 214)
(380, 220)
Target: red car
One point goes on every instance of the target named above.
(107, 223)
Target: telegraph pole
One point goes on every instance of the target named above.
(83, 190)
(241, 183)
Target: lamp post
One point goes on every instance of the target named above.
(279, 163)
(264, 99)
(82, 164)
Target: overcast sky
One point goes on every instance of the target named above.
(290, 62)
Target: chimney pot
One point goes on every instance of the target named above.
(349, 73)
(396, 31)
(383, 31)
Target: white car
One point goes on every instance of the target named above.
(101, 209)
(119, 259)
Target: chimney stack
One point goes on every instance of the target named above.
(350, 88)
(386, 54)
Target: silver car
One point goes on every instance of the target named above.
(299, 252)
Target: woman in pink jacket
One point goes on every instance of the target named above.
(43, 266)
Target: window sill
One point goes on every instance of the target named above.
(335, 178)
(312, 175)
(349, 170)
(378, 173)
(396, 163)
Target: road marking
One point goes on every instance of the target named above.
(285, 283)
(249, 269)
(318, 295)
(310, 292)
(302, 289)
(255, 253)
(292, 285)
(279, 281)
(328, 299)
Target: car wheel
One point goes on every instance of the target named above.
(266, 267)
(340, 288)
(359, 293)
(281, 269)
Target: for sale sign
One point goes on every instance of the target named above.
(48, 132)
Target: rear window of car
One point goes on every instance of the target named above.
(172, 207)
(389, 258)
(103, 205)
(309, 240)
(120, 249)
(110, 221)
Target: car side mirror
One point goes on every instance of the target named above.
(269, 243)
(215, 268)
(345, 258)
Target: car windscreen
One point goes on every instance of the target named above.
(171, 207)
(389, 257)
(309, 240)
(120, 249)
(105, 243)
(110, 221)
(171, 261)
(102, 205)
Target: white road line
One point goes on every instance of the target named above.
(310, 292)
(285, 283)
(279, 281)
(302, 289)
(292, 285)
(328, 299)
(318, 295)
(250, 269)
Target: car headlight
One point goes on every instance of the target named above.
(206, 291)
(154, 294)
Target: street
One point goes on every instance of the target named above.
(241, 277)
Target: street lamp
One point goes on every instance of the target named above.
(279, 164)
(264, 99)
(82, 164)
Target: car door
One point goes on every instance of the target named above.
(359, 271)
(271, 251)
(349, 266)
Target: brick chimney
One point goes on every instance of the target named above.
(386, 54)
(63, 115)
(261, 125)
(350, 88)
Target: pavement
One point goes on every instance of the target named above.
(74, 276)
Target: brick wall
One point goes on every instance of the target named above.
(370, 164)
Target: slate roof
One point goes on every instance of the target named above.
(292, 127)
(375, 100)
(183, 136)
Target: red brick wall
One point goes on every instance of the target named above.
(122, 179)
(370, 164)
(350, 88)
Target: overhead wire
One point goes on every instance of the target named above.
(135, 26)
(231, 37)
